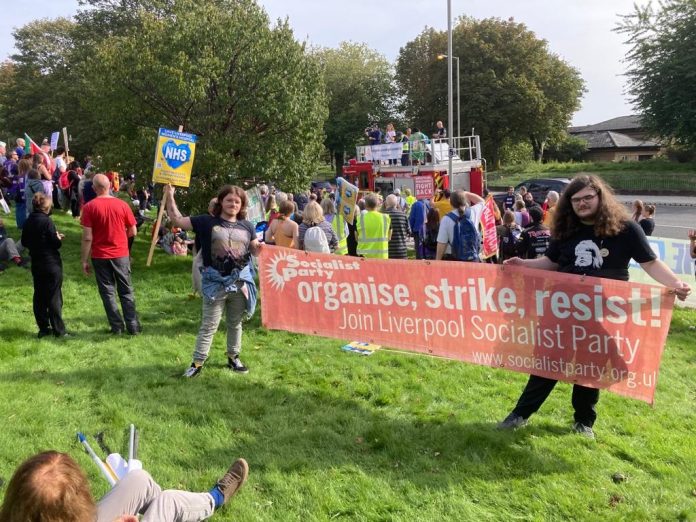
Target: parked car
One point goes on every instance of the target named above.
(318, 185)
(539, 187)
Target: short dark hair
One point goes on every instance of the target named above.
(536, 214)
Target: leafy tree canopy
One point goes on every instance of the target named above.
(41, 87)
(359, 87)
(662, 67)
(249, 90)
(512, 87)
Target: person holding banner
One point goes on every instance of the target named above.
(227, 242)
(592, 235)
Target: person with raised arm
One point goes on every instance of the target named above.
(227, 243)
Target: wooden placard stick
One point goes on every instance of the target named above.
(160, 214)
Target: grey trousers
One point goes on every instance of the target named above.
(9, 249)
(113, 275)
(137, 493)
(234, 305)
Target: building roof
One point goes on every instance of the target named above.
(615, 124)
(614, 140)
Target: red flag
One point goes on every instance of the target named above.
(30, 147)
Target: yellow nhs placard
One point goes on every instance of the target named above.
(174, 157)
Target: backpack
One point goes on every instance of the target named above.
(466, 240)
(315, 241)
(508, 245)
(63, 181)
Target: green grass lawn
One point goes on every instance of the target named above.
(331, 435)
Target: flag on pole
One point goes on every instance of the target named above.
(30, 147)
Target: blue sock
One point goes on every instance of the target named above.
(218, 497)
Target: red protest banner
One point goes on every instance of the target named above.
(595, 332)
(489, 244)
(423, 187)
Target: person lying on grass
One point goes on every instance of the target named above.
(51, 486)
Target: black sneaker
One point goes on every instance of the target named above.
(44, 333)
(193, 371)
(234, 364)
(582, 429)
(512, 422)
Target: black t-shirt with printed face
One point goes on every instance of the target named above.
(582, 254)
(224, 244)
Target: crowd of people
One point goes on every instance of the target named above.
(582, 231)
(414, 150)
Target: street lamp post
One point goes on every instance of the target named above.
(450, 111)
(459, 112)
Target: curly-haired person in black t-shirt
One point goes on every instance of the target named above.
(591, 235)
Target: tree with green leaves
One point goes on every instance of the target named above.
(251, 93)
(662, 67)
(41, 86)
(359, 88)
(512, 87)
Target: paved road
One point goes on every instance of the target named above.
(674, 215)
(673, 221)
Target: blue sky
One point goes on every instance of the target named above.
(577, 30)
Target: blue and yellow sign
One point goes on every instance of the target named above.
(174, 157)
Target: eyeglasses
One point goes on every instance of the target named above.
(583, 199)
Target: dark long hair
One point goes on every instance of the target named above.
(610, 218)
(50, 487)
(226, 191)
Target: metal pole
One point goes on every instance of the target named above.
(459, 110)
(450, 109)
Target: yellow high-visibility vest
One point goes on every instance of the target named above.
(373, 235)
(338, 223)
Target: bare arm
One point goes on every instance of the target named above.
(540, 263)
(269, 234)
(440, 252)
(132, 231)
(255, 247)
(86, 248)
(296, 235)
(473, 198)
(661, 273)
(175, 216)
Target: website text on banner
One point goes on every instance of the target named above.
(174, 157)
(595, 332)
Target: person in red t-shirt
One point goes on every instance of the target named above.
(107, 223)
